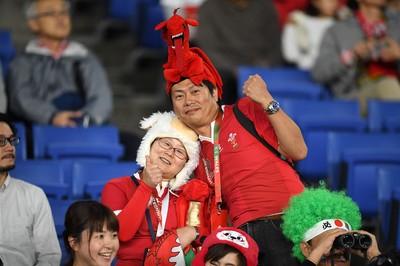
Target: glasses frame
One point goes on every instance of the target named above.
(13, 140)
(53, 14)
(161, 144)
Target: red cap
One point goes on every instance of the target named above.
(233, 237)
(183, 61)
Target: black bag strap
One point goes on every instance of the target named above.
(249, 126)
(78, 78)
(152, 234)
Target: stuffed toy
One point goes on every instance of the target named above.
(184, 61)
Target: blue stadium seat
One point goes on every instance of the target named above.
(388, 179)
(359, 173)
(284, 82)
(7, 50)
(316, 119)
(339, 142)
(49, 175)
(384, 115)
(122, 9)
(100, 143)
(21, 148)
(151, 14)
(88, 178)
(352, 160)
(59, 209)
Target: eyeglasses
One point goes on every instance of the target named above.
(12, 140)
(167, 145)
(53, 14)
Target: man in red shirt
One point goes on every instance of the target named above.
(256, 185)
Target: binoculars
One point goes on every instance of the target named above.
(353, 240)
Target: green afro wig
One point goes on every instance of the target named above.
(312, 206)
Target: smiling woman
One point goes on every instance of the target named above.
(147, 203)
(91, 234)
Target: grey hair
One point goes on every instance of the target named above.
(31, 9)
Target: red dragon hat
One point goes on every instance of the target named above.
(184, 61)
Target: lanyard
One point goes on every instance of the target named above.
(217, 172)
(376, 30)
(163, 204)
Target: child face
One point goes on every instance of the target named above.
(326, 8)
(230, 259)
(99, 251)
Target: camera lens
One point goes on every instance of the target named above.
(344, 241)
(362, 241)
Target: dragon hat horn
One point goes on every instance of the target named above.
(184, 61)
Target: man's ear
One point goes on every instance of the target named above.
(215, 94)
(305, 249)
(33, 25)
(73, 243)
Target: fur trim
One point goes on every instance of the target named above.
(167, 124)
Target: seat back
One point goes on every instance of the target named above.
(384, 115)
(59, 209)
(316, 118)
(151, 14)
(339, 142)
(49, 175)
(388, 179)
(362, 184)
(65, 142)
(21, 148)
(283, 82)
(7, 50)
(88, 177)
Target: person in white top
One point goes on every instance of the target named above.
(303, 32)
(27, 233)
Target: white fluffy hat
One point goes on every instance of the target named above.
(167, 124)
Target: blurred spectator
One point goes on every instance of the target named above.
(188, 9)
(27, 232)
(57, 81)
(359, 57)
(239, 32)
(3, 97)
(285, 7)
(303, 32)
(393, 10)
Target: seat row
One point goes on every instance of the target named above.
(51, 142)
(71, 179)
(388, 187)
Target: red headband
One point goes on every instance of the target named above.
(184, 61)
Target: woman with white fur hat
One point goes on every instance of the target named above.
(147, 203)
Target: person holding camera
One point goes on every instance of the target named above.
(324, 227)
(359, 57)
